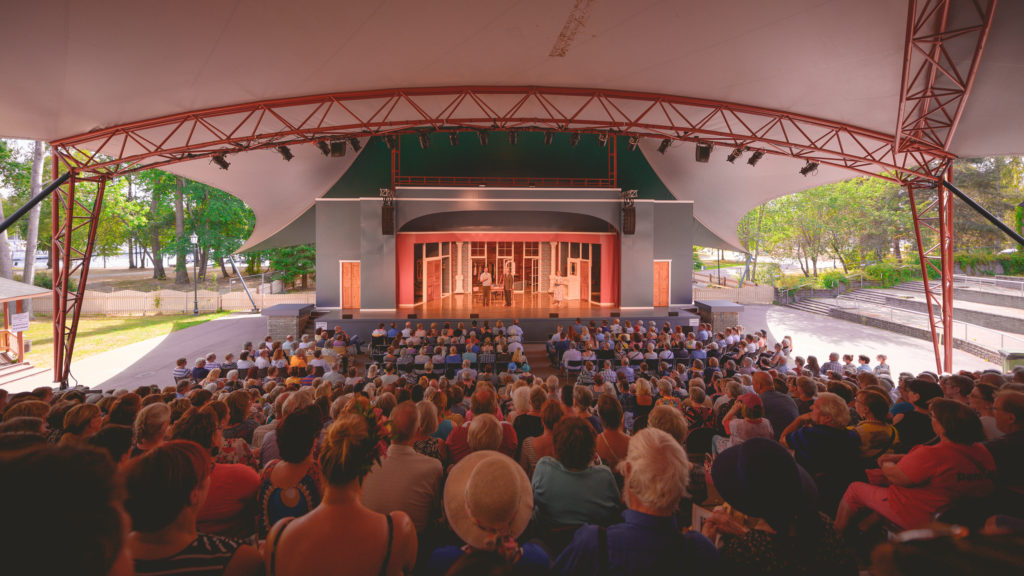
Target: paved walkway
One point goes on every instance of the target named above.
(151, 361)
(817, 335)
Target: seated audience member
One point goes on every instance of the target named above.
(229, 509)
(293, 485)
(826, 448)
(915, 428)
(667, 398)
(483, 401)
(877, 435)
(341, 535)
(152, 425)
(484, 433)
(230, 450)
(648, 541)
(910, 489)
(405, 480)
(529, 423)
(80, 423)
(612, 442)
(116, 441)
(982, 399)
(751, 424)
(643, 403)
(424, 441)
(1007, 449)
(778, 530)
(37, 485)
(166, 487)
(670, 421)
(806, 390)
(269, 449)
(582, 400)
(697, 409)
(240, 423)
(487, 502)
(536, 447)
(779, 408)
(568, 490)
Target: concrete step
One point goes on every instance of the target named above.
(15, 372)
(812, 306)
(865, 295)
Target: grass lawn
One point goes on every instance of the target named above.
(101, 333)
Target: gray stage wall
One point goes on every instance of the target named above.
(350, 230)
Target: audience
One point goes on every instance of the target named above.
(346, 474)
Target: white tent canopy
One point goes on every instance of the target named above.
(74, 67)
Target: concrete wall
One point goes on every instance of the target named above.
(986, 319)
(378, 259)
(337, 238)
(636, 261)
(991, 298)
(673, 240)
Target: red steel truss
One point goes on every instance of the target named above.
(231, 129)
(935, 86)
(937, 80)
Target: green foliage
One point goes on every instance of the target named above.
(697, 263)
(832, 279)
(889, 274)
(985, 263)
(293, 262)
(768, 273)
(45, 280)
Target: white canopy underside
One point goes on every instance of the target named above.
(72, 67)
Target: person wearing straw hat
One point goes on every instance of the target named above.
(488, 503)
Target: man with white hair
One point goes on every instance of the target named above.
(405, 479)
(657, 473)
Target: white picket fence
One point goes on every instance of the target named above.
(135, 303)
(746, 295)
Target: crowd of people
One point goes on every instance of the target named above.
(646, 450)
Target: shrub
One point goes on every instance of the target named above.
(45, 280)
(832, 279)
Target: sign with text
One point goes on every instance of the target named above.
(320, 325)
(19, 322)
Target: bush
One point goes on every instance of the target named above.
(767, 273)
(832, 279)
(1013, 263)
(889, 274)
(45, 280)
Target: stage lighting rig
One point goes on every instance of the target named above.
(574, 139)
(634, 141)
(549, 136)
(810, 167)
(389, 141)
(483, 137)
(664, 145)
(513, 137)
(736, 153)
(453, 138)
(356, 146)
(704, 151)
(755, 157)
(324, 147)
(220, 161)
(424, 140)
(285, 153)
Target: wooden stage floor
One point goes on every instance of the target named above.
(526, 305)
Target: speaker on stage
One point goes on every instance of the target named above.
(387, 219)
(629, 219)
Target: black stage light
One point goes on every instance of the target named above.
(634, 141)
(736, 153)
(755, 157)
(704, 151)
(602, 139)
(548, 138)
(513, 137)
(808, 168)
(483, 137)
(574, 139)
(285, 153)
(664, 145)
(338, 148)
(424, 140)
(221, 161)
(453, 138)
(356, 146)
(389, 141)
(324, 147)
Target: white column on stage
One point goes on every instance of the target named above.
(554, 265)
(458, 268)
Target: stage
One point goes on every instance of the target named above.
(537, 314)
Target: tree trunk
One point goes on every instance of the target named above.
(32, 233)
(896, 249)
(131, 254)
(180, 268)
(223, 270)
(154, 239)
(204, 254)
(6, 264)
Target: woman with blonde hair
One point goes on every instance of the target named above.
(80, 423)
(341, 536)
(151, 428)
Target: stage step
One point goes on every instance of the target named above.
(14, 372)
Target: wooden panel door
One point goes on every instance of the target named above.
(350, 285)
(661, 281)
(433, 280)
(584, 280)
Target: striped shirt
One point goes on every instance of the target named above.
(207, 555)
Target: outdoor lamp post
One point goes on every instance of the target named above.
(195, 272)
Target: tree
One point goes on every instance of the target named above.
(32, 233)
(294, 262)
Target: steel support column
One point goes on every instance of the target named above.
(936, 217)
(75, 218)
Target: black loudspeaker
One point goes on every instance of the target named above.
(346, 316)
(387, 220)
(553, 315)
(615, 315)
(474, 315)
(673, 313)
(629, 219)
(411, 316)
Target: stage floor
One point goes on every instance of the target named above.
(526, 305)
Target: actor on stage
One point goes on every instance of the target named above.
(485, 285)
(507, 281)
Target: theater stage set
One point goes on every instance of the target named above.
(582, 216)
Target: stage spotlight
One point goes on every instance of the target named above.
(356, 146)
(634, 141)
(548, 138)
(424, 140)
(755, 157)
(389, 141)
(338, 148)
(664, 145)
(483, 137)
(513, 137)
(736, 153)
(808, 168)
(221, 161)
(285, 153)
(574, 139)
(324, 147)
(602, 139)
(704, 151)
(453, 138)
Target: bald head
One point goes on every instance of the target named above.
(405, 420)
(762, 382)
